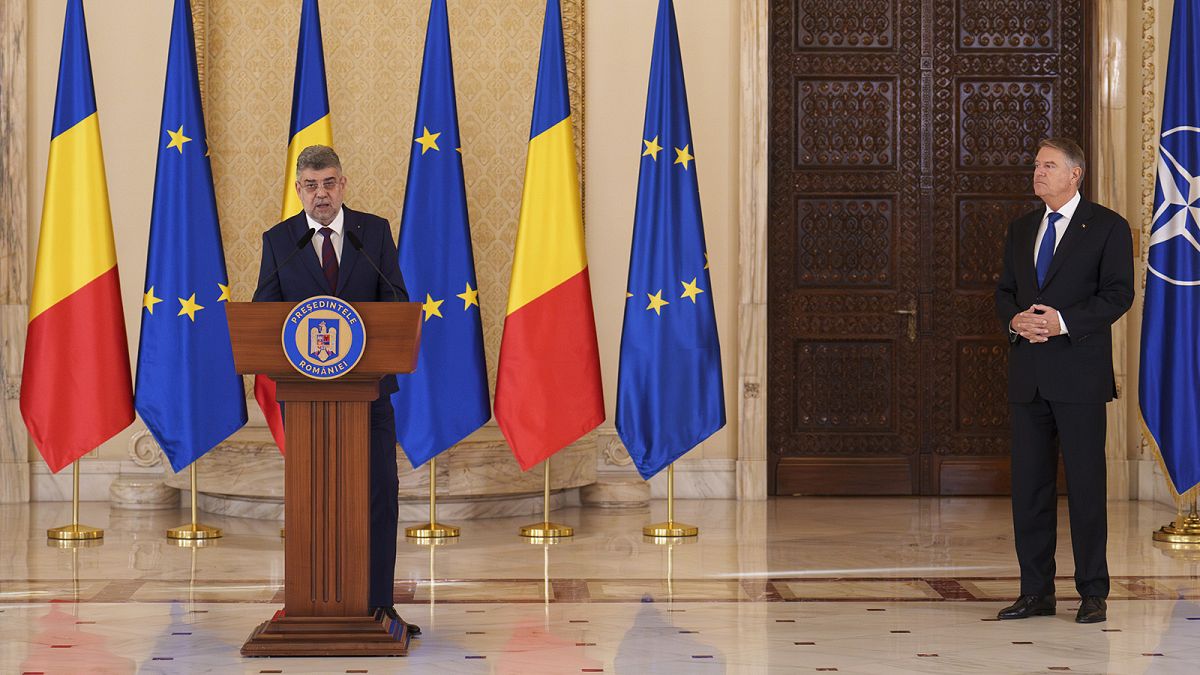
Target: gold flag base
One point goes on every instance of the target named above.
(547, 530)
(1184, 531)
(670, 529)
(431, 531)
(194, 531)
(74, 532)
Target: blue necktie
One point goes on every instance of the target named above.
(1046, 248)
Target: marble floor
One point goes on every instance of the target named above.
(870, 585)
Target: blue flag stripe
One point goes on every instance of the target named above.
(551, 99)
(76, 98)
(188, 392)
(447, 397)
(670, 395)
(310, 101)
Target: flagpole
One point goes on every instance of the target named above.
(434, 530)
(670, 528)
(546, 529)
(194, 530)
(74, 531)
(1185, 529)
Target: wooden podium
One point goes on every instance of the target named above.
(326, 482)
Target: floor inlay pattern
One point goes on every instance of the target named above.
(789, 585)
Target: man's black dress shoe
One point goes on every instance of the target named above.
(390, 612)
(1027, 606)
(1093, 609)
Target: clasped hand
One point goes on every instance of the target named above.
(1039, 323)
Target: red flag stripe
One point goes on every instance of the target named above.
(76, 388)
(264, 393)
(548, 393)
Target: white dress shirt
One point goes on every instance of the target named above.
(319, 239)
(1068, 211)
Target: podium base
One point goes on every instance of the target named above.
(328, 636)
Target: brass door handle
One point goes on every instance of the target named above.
(911, 312)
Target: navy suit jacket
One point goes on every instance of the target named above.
(302, 277)
(1090, 282)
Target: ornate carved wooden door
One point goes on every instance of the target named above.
(902, 138)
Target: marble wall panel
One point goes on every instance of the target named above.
(14, 447)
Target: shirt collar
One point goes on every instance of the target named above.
(338, 222)
(1067, 210)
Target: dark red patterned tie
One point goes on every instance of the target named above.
(329, 262)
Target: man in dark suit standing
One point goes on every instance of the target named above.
(330, 267)
(1068, 275)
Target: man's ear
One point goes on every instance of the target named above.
(297, 185)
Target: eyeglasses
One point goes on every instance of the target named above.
(329, 184)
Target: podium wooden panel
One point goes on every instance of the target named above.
(326, 482)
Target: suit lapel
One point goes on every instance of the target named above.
(350, 255)
(1070, 240)
(308, 257)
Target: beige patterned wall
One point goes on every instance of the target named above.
(373, 63)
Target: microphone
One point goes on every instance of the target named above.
(303, 241)
(358, 246)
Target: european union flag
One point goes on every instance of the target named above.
(1170, 365)
(187, 390)
(447, 397)
(669, 392)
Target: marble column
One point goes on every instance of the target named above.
(14, 235)
(1110, 172)
(752, 253)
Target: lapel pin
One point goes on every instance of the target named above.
(1083, 225)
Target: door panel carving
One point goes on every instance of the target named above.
(902, 132)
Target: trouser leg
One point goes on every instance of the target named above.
(385, 488)
(1034, 495)
(1081, 426)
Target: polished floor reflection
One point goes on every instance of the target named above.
(789, 585)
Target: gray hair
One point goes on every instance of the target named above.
(1069, 148)
(317, 157)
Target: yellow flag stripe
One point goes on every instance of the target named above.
(317, 133)
(550, 245)
(75, 245)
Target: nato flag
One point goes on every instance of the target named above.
(447, 397)
(1170, 364)
(187, 393)
(669, 392)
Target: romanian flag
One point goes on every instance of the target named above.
(76, 391)
(669, 392)
(548, 390)
(188, 392)
(310, 126)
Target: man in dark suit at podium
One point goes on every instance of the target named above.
(330, 266)
(1068, 275)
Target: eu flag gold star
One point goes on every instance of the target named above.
(177, 139)
(189, 307)
(428, 140)
(149, 301)
(432, 307)
(690, 291)
(224, 293)
(469, 297)
(652, 148)
(656, 302)
(683, 156)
